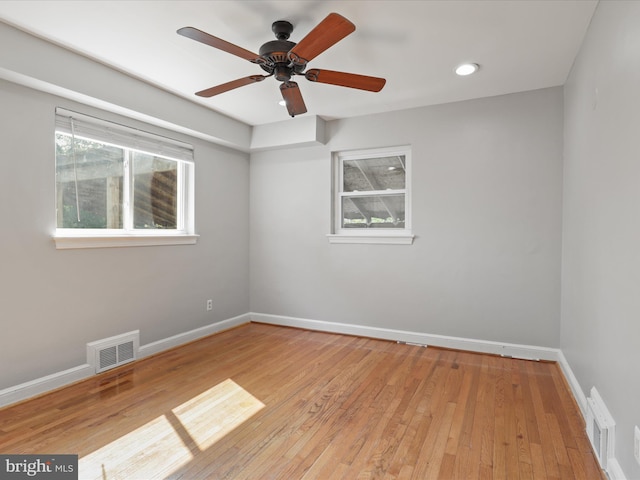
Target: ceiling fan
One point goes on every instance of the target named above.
(283, 59)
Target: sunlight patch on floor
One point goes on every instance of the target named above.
(211, 415)
(170, 441)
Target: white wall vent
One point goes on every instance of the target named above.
(600, 428)
(113, 351)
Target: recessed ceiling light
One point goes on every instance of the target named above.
(467, 69)
(282, 103)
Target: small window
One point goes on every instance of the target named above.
(119, 186)
(371, 196)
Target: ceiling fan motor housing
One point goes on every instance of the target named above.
(276, 53)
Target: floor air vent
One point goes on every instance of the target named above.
(113, 351)
(600, 428)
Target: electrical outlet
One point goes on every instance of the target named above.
(636, 443)
(209, 305)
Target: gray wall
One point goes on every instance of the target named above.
(487, 178)
(601, 261)
(52, 302)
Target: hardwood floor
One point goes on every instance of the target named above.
(264, 402)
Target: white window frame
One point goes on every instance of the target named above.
(184, 234)
(387, 236)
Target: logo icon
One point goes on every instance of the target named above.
(39, 467)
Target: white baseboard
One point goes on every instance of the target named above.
(528, 352)
(614, 470)
(578, 394)
(182, 338)
(56, 380)
(41, 385)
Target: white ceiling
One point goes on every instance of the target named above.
(520, 45)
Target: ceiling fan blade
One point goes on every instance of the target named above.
(351, 80)
(203, 37)
(326, 34)
(293, 98)
(225, 87)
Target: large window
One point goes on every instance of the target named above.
(120, 186)
(371, 196)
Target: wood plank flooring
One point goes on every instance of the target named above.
(265, 402)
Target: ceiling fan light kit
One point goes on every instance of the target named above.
(283, 59)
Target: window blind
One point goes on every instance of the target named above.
(120, 135)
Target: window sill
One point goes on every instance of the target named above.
(64, 242)
(379, 239)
